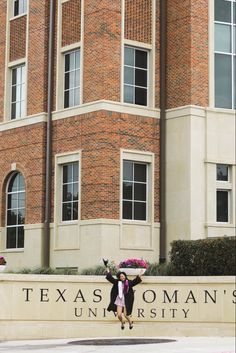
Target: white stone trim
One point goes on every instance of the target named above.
(220, 161)
(147, 157)
(18, 16)
(11, 11)
(109, 106)
(100, 279)
(18, 62)
(186, 111)
(34, 226)
(62, 158)
(70, 47)
(220, 111)
(15, 250)
(139, 156)
(220, 225)
(68, 157)
(21, 122)
(141, 45)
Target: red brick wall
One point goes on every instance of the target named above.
(199, 53)
(138, 20)
(71, 22)
(100, 135)
(18, 38)
(37, 56)
(187, 48)
(102, 50)
(26, 150)
(3, 12)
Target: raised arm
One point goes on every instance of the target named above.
(136, 281)
(110, 278)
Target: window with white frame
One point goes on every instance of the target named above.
(15, 212)
(135, 185)
(18, 92)
(135, 76)
(223, 193)
(225, 53)
(72, 79)
(20, 7)
(70, 191)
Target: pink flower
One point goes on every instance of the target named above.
(2, 261)
(133, 263)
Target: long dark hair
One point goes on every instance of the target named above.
(121, 273)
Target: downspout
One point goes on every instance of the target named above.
(163, 39)
(48, 181)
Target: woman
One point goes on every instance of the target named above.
(122, 296)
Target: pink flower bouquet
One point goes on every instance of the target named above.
(133, 263)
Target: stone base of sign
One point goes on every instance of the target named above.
(48, 307)
(53, 330)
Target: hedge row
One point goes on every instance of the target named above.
(204, 257)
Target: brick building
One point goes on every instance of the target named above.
(117, 128)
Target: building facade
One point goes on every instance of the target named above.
(80, 128)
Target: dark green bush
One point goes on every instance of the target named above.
(203, 257)
(157, 269)
(44, 271)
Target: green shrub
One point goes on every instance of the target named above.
(156, 269)
(98, 270)
(45, 271)
(203, 257)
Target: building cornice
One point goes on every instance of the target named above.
(108, 106)
(22, 122)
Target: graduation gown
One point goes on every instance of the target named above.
(129, 297)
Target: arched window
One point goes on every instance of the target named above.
(15, 212)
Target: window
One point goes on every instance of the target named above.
(72, 79)
(70, 191)
(20, 7)
(225, 54)
(222, 206)
(223, 192)
(18, 92)
(222, 172)
(15, 212)
(135, 76)
(134, 190)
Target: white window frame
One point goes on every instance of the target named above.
(60, 160)
(226, 186)
(232, 54)
(69, 183)
(25, 7)
(148, 51)
(6, 203)
(137, 182)
(22, 108)
(139, 157)
(77, 49)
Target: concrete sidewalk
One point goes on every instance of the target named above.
(177, 345)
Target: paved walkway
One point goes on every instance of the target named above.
(179, 345)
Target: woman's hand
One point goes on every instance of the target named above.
(141, 272)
